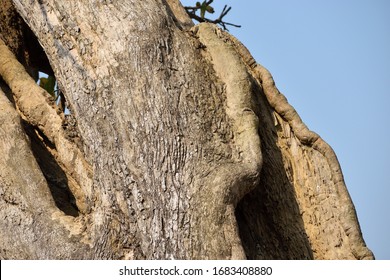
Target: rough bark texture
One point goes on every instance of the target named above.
(178, 144)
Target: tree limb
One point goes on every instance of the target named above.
(191, 10)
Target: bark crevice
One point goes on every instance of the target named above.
(36, 108)
(55, 176)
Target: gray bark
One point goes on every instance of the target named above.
(178, 146)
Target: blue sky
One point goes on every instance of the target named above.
(331, 59)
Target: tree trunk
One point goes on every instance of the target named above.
(177, 146)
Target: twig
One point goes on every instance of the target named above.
(191, 11)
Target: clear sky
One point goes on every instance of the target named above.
(331, 59)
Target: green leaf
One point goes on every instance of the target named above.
(48, 84)
(210, 9)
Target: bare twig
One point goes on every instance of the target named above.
(192, 13)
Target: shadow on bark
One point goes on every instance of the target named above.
(268, 217)
(54, 174)
(7, 91)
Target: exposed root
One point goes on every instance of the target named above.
(240, 106)
(309, 138)
(230, 182)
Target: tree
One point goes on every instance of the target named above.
(177, 145)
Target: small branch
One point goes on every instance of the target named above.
(192, 13)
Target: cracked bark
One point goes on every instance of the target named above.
(184, 148)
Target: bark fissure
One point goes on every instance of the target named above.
(55, 176)
(32, 101)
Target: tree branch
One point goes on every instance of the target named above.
(192, 13)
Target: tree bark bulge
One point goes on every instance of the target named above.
(180, 145)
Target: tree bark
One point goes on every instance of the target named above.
(178, 144)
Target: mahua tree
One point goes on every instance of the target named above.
(177, 144)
